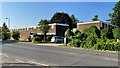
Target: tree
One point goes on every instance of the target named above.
(15, 35)
(5, 32)
(95, 18)
(74, 20)
(62, 18)
(44, 27)
(115, 16)
(5, 28)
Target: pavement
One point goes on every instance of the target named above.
(44, 44)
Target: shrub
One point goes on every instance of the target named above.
(77, 43)
(107, 45)
(70, 39)
(49, 38)
(116, 33)
(106, 33)
(15, 35)
(92, 31)
(69, 33)
(5, 36)
(37, 39)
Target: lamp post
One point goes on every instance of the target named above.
(8, 22)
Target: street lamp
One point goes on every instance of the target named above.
(8, 22)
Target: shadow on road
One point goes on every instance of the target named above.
(8, 42)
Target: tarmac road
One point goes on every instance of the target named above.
(57, 56)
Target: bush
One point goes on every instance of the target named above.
(116, 33)
(70, 38)
(37, 39)
(15, 35)
(106, 33)
(76, 43)
(107, 45)
(92, 31)
(69, 33)
(49, 38)
(5, 36)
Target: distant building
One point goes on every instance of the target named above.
(56, 29)
(99, 24)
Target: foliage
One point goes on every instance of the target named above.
(74, 20)
(5, 28)
(115, 16)
(44, 27)
(37, 39)
(49, 38)
(92, 31)
(62, 18)
(69, 33)
(107, 45)
(16, 35)
(90, 39)
(116, 33)
(5, 36)
(5, 32)
(106, 33)
(95, 18)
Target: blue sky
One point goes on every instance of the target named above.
(24, 14)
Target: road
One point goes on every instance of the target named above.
(58, 56)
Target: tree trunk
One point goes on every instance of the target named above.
(44, 36)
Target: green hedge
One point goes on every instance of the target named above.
(92, 38)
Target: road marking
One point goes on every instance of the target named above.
(33, 62)
(19, 60)
(110, 59)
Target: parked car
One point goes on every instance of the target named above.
(57, 39)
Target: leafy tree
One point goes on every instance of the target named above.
(5, 32)
(116, 33)
(62, 18)
(5, 28)
(16, 35)
(115, 16)
(95, 18)
(74, 20)
(44, 27)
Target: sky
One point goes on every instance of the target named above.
(24, 14)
